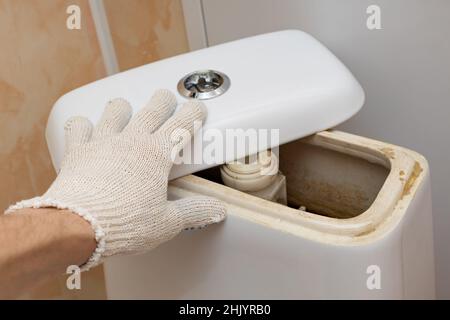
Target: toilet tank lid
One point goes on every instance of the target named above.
(286, 81)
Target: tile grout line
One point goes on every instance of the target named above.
(104, 36)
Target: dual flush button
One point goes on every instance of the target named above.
(203, 84)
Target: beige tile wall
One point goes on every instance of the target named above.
(146, 30)
(40, 59)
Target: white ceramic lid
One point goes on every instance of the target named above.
(285, 80)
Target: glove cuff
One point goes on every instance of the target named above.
(42, 202)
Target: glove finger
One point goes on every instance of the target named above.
(115, 117)
(77, 130)
(197, 212)
(155, 113)
(181, 127)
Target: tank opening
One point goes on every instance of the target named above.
(323, 181)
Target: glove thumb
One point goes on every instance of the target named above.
(197, 212)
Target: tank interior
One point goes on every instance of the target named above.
(323, 181)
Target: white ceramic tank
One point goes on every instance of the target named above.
(375, 243)
(365, 227)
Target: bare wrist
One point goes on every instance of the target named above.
(67, 231)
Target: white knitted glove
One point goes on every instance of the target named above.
(115, 176)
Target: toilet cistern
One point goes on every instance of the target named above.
(359, 210)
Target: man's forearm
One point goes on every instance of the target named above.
(37, 244)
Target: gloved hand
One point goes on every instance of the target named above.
(115, 176)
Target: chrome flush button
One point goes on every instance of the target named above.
(203, 84)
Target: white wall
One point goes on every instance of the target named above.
(404, 69)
